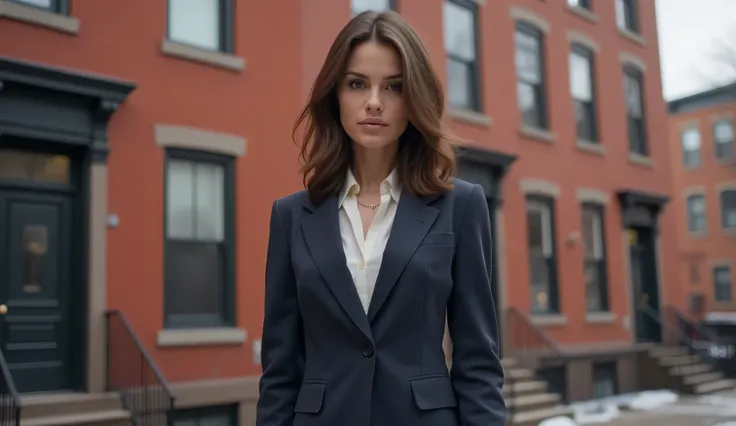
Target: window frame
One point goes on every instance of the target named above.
(631, 16)
(587, 53)
(546, 203)
(599, 211)
(391, 6)
(690, 218)
(631, 72)
(227, 310)
(582, 4)
(475, 90)
(717, 143)
(60, 7)
(541, 88)
(729, 287)
(722, 198)
(226, 28)
(196, 414)
(685, 152)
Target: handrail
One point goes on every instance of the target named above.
(10, 404)
(145, 392)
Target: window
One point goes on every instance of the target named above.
(722, 283)
(203, 23)
(728, 209)
(581, 89)
(594, 259)
(542, 261)
(626, 15)
(604, 380)
(530, 77)
(635, 111)
(56, 6)
(723, 138)
(199, 252)
(359, 6)
(210, 416)
(696, 220)
(690, 140)
(585, 4)
(461, 39)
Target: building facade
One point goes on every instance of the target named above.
(141, 147)
(704, 171)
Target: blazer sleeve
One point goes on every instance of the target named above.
(282, 341)
(477, 375)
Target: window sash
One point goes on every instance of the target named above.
(626, 15)
(360, 6)
(722, 282)
(723, 136)
(696, 219)
(542, 261)
(461, 44)
(220, 26)
(728, 209)
(462, 92)
(56, 6)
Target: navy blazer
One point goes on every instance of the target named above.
(327, 363)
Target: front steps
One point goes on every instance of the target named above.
(689, 373)
(527, 397)
(73, 409)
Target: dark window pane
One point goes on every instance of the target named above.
(722, 281)
(723, 136)
(195, 272)
(728, 209)
(459, 31)
(459, 82)
(696, 213)
(359, 6)
(529, 104)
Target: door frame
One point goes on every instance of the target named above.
(487, 168)
(641, 209)
(655, 289)
(62, 109)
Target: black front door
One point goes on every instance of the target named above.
(643, 261)
(35, 280)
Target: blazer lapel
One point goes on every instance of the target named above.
(322, 233)
(413, 220)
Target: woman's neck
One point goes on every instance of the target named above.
(372, 166)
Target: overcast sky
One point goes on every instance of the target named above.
(688, 33)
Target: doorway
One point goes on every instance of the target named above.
(40, 264)
(644, 284)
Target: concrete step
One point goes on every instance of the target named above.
(524, 388)
(509, 362)
(60, 404)
(715, 386)
(534, 402)
(665, 351)
(677, 360)
(697, 379)
(534, 417)
(686, 370)
(519, 373)
(97, 418)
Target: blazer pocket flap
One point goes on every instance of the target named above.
(439, 238)
(310, 398)
(432, 393)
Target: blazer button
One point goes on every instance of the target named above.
(368, 351)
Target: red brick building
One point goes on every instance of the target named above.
(142, 144)
(704, 170)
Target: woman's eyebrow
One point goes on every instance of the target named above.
(363, 76)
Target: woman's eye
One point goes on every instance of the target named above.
(356, 84)
(396, 87)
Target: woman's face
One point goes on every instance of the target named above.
(372, 108)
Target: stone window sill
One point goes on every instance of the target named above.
(600, 317)
(540, 135)
(469, 116)
(641, 160)
(169, 338)
(203, 56)
(39, 17)
(636, 38)
(588, 147)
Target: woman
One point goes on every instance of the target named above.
(365, 266)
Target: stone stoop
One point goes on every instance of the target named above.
(528, 398)
(73, 409)
(690, 374)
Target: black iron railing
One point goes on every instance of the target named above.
(718, 351)
(9, 398)
(132, 373)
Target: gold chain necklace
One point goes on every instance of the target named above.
(370, 206)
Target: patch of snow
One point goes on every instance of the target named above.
(726, 401)
(650, 400)
(592, 413)
(560, 421)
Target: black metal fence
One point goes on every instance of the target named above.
(9, 398)
(131, 371)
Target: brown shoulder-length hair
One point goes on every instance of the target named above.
(426, 161)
